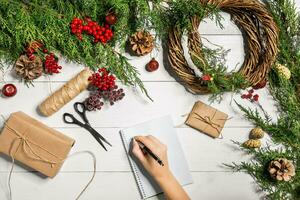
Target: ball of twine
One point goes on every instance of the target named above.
(260, 36)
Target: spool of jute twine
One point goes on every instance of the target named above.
(66, 93)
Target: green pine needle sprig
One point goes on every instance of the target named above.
(285, 132)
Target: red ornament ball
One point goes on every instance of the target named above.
(111, 19)
(260, 85)
(152, 65)
(9, 90)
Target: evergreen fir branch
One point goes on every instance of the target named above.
(286, 131)
(22, 22)
(49, 22)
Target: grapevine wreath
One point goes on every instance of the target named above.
(260, 35)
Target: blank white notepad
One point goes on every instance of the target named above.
(163, 129)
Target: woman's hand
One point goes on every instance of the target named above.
(156, 171)
(162, 174)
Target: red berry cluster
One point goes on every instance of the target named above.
(251, 96)
(101, 34)
(93, 102)
(51, 65)
(103, 80)
(97, 98)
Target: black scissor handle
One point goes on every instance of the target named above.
(81, 110)
(70, 119)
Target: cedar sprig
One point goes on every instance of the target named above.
(25, 21)
(285, 131)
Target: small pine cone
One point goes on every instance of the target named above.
(29, 69)
(256, 133)
(252, 143)
(283, 71)
(141, 43)
(281, 169)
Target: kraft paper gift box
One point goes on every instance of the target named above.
(34, 144)
(206, 119)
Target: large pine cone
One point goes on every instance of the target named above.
(142, 43)
(281, 169)
(29, 69)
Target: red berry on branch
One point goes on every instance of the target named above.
(9, 90)
(256, 97)
(206, 78)
(244, 96)
(51, 65)
(102, 80)
(102, 34)
(31, 57)
(153, 65)
(249, 96)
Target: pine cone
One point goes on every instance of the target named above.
(283, 71)
(252, 143)
(29, 69)
(281, 169)
(142, 43)
(256, 133)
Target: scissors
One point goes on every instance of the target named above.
(81, 111)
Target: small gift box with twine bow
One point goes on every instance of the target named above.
(34, 144)
(207, 119)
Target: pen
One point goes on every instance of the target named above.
(146, 149)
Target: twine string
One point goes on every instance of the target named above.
(210, 122)
(94, 171)
(66, 93)
(49, 84)
(26, 143)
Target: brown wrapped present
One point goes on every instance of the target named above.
(34, 144)
(206, 119)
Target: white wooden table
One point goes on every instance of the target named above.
(114, 179)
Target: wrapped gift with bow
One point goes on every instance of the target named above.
(206, 119)
(34, 144)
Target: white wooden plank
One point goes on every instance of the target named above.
(225, 186)
(208, 26)
(169, 98)
(115, 186)
(202, 152)
(297, 2)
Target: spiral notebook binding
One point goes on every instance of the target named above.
(133, 166)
